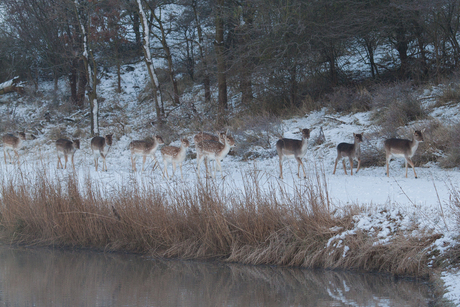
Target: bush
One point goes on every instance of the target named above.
(345, 99)
(452, 156)
(396, 106)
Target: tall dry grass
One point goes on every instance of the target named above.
(205, 220)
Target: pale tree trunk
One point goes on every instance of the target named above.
(91, 72)
(148, 60)
(221, 65)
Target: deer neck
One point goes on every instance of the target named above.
(304, 146)
(224, 151)
(413, 146)
(357, 147)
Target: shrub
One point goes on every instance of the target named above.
(345, 99)
(396, 106)
(452, 156)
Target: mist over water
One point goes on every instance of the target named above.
(47, 277)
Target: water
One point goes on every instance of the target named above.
(47, 277)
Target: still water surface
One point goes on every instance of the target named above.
(46, 277)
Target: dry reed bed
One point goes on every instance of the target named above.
(206, 221)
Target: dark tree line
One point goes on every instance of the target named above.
(273, 52)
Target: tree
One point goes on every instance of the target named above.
(222, 103)
(82, 12)
(148, 60)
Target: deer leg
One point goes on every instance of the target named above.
(174, 168)
(73, 164)
(218, 166)
(344, 166)
(411, 164)
(198, 162)
(207, 171)
(351, 165)
(104, 165)
(359, 165)
(133, 163)
(299, 163)
(405, 164)
(281, 168)
(335, 165)
(9, 157)
(388, 166)
(65, 158)
(165, 172)
(59, 162)
(143, 162)
(17, 155)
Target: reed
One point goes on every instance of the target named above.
(205, 220)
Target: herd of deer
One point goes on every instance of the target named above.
(212, 147)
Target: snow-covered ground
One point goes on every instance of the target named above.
(425, 200)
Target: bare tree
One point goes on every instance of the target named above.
(82, 13)
(148, 60)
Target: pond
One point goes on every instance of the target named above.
(54, 277)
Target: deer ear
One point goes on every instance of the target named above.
(423, 130)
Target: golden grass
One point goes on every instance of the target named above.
(204, 220)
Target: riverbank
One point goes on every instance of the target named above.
(294, 225)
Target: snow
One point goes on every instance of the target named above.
(393, 203)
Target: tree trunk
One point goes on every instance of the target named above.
(206, 78)
(221, 65)
(148, 61)
(91, 72)
(401, 47)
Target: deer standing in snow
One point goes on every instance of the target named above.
(352, 151)
(213, 150)
(294, 149)
(14, 143)
(66, 147)
(174, 155)
(100, 147)
(403, 148)
(144, 148)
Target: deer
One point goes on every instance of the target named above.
(100, 147)
(14, 143)
(213, 150)
(66, 148)
(296, 149)
(204, 136)
(352, 151)
(175, 155)
(403, 148)
(144, 148)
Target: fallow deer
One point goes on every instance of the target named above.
(66, 147)
(204, 136)
(100, 147)
(14, 143)
(144, 148)
(352, 151)
(403, 148)
(296, 149)
(174, 155)
(213, 150)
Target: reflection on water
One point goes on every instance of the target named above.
(42, 277)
